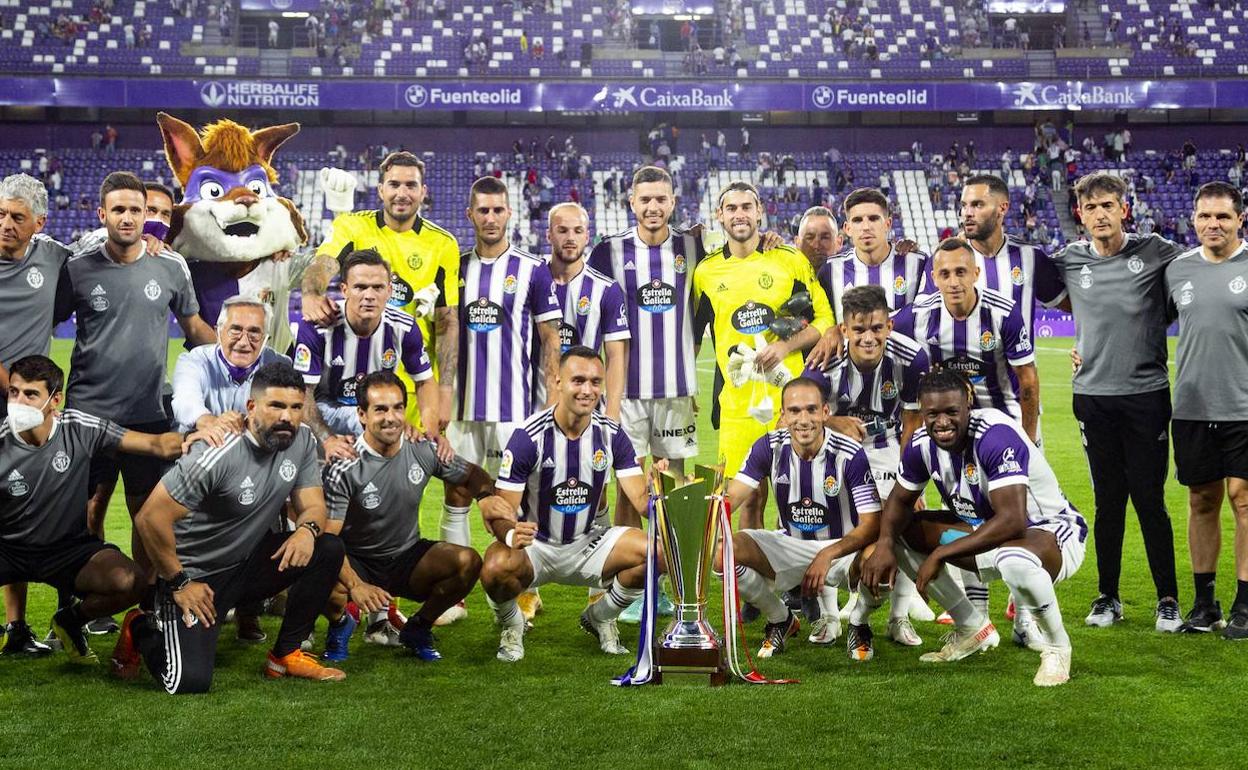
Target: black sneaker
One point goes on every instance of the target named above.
(792, 599)
(101, 626)
(20, 640)
(858, 642)
(73, 637)
(1203, 618)
(775, 635)
(749, 613)
(1237, 628)
(418, 637)
(810, 608)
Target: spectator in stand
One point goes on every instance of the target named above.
(1189, 154)
(274, 28)
(110, 139)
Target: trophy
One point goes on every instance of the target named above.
(687, 523)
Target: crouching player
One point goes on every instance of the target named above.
(829, 512)
(1006, 518)
(554, 471)
(374, 506)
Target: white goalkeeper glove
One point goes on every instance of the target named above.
(339, 189)
(741, 368)
(425, 300)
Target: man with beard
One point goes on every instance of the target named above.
(208, 526)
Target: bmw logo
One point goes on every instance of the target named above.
(416, 95)
(822, 96)
(212, 93)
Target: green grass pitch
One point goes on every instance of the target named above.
(1136, 697)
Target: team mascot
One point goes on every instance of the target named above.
(235, 232)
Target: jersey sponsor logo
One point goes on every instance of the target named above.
(60, 462)
(1238, 285)
(831, 486)
(152, 290)
(1135, 265)
(971, 367)
(752, 318)
(688, 430)
(1008, 463)
(504, 464)
(888, 389)
(34, 278)
(1024, 341)
(679, 264)
(765, 281)
(247, 493)
(1186, 294)
(400, 291)
(656, 296)
(971, 472)
(568, 336)
(510, 284)
(484, 316)
(371, 497)
(99, 299)
(583, 305)
(288, 470)
(347, 388)
(808, 516)
(303, 358)
(571, 497)
(875, 423)
(1016, 275)
(965, 510)
(17, 484)
(900, 284)
(987, 341)
(1085, 277)
(599, 461)
(415, 473)
(389, 359)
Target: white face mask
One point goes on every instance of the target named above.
(23, 417)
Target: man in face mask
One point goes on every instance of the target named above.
(46, 457)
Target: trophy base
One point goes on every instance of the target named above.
(689, 662)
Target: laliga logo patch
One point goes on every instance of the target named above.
(415, 473)
(389, 359)
(1135, 265)
(303, 357)
(1238, 285)
(509, 284)
(972, 473)
(504, 465)
(1016, 275)
(599, 462)
(900, 285)
(582, 306)
(987, 341)
(287, 471)
(152, 290)
(831, 486)
(679, 264)
(888, 389)
(34, 278)
(60, 463)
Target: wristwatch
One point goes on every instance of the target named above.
(313, 527)
(179, 580)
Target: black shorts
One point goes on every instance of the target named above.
(1209, 451)
(394, 574)
(56, 564)
(139, 473)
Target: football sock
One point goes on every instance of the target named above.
(455, 525)
(1241, 593)
(828, 603)
(617, 600)
(1023, 572)
(976, 590)
(755, 590)
(1205, 584)
(943, 588)
(506, 613)
(860, 615)
(904, 592)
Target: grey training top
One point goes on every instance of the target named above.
(29, 290)
(117, 369)
(43, 489)
(1120, 314)
(378, 498)
(1212, 302)
(236, 493)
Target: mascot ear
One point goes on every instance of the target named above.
(268, 139)
(182, 146)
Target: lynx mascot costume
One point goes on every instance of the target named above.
(235, 232)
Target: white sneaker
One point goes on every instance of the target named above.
(1105, 612)
(945, 619)
(901, 631)
(918, 610)
(511, 644)
(453, 613)
(1054, 666)
(1169, 617)
(307, 644)
(824, 631)
(383, 634)
(607, 634)
(960, 644)
(1025, 632)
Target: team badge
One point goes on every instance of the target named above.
(247, 495)
(765, 281)
(17, 484)
(599, 462)
(1186, 294)
(972, 473)
(1135, 265)
(389, 359)
(415, 261)
(888, 389)
(504, 465)
(510, 284)
(900, 285)
(1016, 275)
(152, 290)
(1085, 277)
(987, 341)
(34, 278)
(303, 357)
(99, 299)
(582, 306)
(415, 473)
(287, 471)
(1238, 285)
(371, 498)
(831, 486)
(60, 463)
(678, 264)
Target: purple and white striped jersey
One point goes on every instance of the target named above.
(903, 278)
(997, 455)
(501, 302)
(818, 499)
(563, 478)
(335, 358)
(1021, 272)
(878, 396)
(985, 347)
(594, 311)
(656, 281)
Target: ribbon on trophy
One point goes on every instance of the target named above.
(642, 669)
(735, 643)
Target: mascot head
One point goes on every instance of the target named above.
(229, 212)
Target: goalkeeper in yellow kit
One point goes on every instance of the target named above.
(739, 291)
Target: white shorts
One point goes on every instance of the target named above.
(661, 427)
(340, 419)
(884, 465)
(578, 563)
(481, 443)
(790, 557)
(1068, 543)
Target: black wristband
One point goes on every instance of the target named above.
(312, 527)
(179, 580)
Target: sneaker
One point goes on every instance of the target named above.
(963, 643)
(73, 638)
(1011, 609)
(1237, 629)
(792, 599)
(1054, 666)
(382, 633)
(632, 613)
(102, 626)
(1025, 633)
(1204, 617)
(858, 642)
(301, 665)
(417, 636)
(511, 644)
(20, 640)
(749, 613)
(1106, 611)
(308, 644)
(901, 631)
(125, 660)
(607, 634)
(824, 631)
(810, 608)
(453, 613)
(666, 608)
(338, 638)
(396, 616)
(51, 640)
(775, 634)
(248, 630)
(530, 603)
(1169, 618)
(945, 619)
(918, 610)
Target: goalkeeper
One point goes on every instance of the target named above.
(743, 293)
(423, 258)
